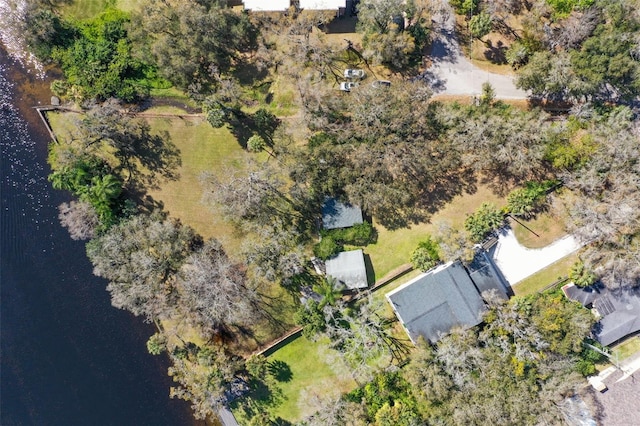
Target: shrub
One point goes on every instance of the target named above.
(483, 221)
(256, 143)
(311, 318)
(327, 248)
(358, 235)
(528, 200)
(581, 276)
(426, 255)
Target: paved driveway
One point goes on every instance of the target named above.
(452, 73)
(518, 262)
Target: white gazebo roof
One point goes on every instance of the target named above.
(267, 5)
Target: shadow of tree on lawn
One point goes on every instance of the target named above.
(280, 371)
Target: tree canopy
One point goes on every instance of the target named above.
(193, 42)
(141, 257)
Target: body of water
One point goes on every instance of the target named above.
(68, 357)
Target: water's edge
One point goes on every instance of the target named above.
(67, 356)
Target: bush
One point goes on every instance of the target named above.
(528, 200)
(426, 255)
(334, 240)
(358, 235)
(517, 55)
(581, 276)
(483, 221)
(311, 318)
(327, 248)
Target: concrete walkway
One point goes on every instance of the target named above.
(452, 73)
(518, 262)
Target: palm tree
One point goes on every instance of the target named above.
(330, 290)
(102, 193)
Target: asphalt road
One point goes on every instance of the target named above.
(452, 73)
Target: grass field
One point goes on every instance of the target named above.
(543, 230)
(626, 349)
(394, 247)
(202, 148)
(548, 275)
(316, 371)
(83, 9)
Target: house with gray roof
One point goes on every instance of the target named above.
(619, 310)
(583, 295)
(486, 275)
(337, 215)
(348, 268)
(433, 303)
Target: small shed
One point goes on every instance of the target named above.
(348, 268)
(267, 5)
(337, 215)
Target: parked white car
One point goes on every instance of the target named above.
(346, 86)
(354, 74)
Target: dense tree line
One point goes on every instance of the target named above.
(579, 51)
(516, 368)
(193, 43)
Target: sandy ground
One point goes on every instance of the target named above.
(452, 73)
(518, 262)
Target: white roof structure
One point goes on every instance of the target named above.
(267, 5)
(322, 4)
(348, 268)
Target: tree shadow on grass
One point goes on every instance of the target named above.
(429, 201)
(280, 371)
(244, 125)
(496, 54)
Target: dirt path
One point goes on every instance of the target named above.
(452, 73)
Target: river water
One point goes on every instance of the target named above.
(67, 356)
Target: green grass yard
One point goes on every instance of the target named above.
(626, 349)
(202, 148)
(316, 371)
(394, 247)
(84, 9)
(548, 275)
(543, 230)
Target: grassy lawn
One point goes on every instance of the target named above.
(549, 227)
(548, 275)
(202, 148)
(63, 124)
(626, 349)
(394, 247)
(316, 370)
(83, 9)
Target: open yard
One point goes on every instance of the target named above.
(539, 232)
(394, 247)
(315, 371)
(202, 148)
(548, 275)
